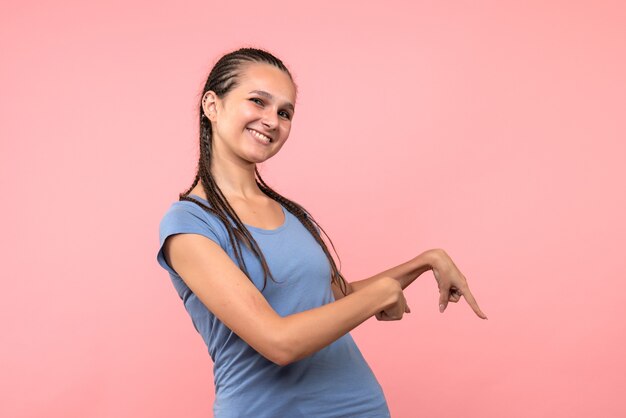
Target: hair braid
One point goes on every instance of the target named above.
(310, 224)
(223, 78)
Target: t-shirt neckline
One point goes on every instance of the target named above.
(254, 228)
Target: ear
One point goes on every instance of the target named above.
(209, 104)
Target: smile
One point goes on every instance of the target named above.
(260, 137)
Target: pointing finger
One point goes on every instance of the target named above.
(472, 302)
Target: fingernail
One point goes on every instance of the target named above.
(441, 308)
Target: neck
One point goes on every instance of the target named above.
(234, 177)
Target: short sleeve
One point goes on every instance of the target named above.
(186, 217)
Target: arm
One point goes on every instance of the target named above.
(226, 291)
(451, 282)
(404, 273)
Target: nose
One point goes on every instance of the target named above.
(270, 118)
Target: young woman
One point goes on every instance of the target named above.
(258, 281)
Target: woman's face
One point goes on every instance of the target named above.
(252, 122)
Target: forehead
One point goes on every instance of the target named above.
(266, 77)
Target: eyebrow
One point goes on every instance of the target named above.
(269, 96)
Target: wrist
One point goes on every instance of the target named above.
(390, 288)
(428, 260)
(437, 259)
(380, 292)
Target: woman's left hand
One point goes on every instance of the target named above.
(452, 284)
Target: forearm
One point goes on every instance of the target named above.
(309, 331)
(404, 273)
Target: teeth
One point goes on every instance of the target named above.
(260, 136)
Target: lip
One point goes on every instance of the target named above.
(257, 139)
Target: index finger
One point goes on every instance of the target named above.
(472, 302)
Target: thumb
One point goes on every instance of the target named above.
(443, 300)
(407, 309)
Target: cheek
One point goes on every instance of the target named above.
(248, 111)
(285, 130)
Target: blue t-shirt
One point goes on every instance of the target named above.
(335, 381)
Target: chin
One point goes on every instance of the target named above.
(258, 159)
(261, 157)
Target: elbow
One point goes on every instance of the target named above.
(284, 350)
(273, 341)
(283, 354)
(282, 359)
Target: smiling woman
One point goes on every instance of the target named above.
(281, 347)
(261, 106)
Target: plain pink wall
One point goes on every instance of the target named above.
(495, 130)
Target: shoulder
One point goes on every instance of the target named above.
(188, 217)
(184, 208)
(185, 217)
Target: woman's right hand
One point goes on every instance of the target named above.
(398, 305)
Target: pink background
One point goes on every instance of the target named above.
(494, 130)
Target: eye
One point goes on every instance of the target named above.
(284, 114)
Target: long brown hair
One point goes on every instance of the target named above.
(223, 78)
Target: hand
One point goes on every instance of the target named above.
(388, 315)
(452, 284)
(395, 311)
